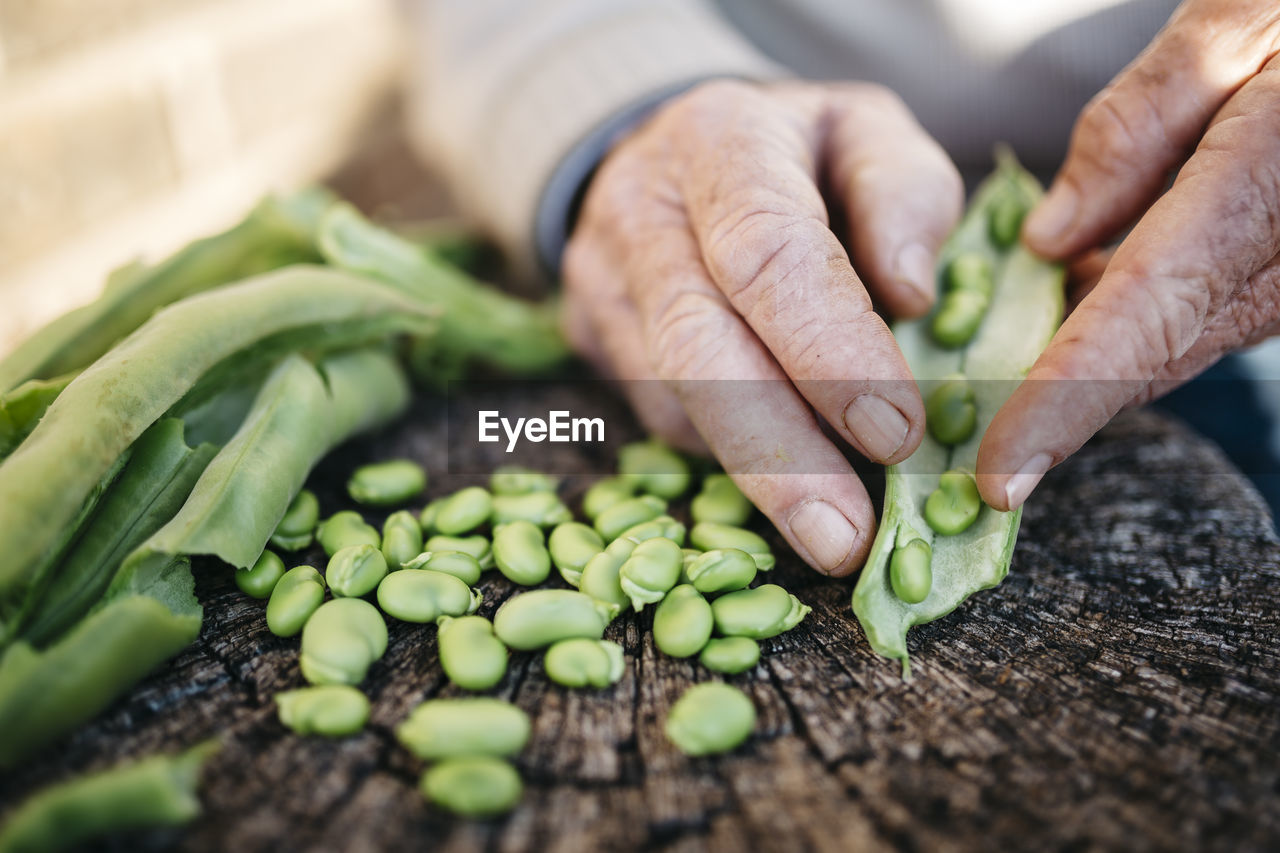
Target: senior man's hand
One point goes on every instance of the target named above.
(704, 261)
(1197, 276)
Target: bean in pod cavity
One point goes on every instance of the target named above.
(415, 595)
(344, 529)
(682, 623)
(387, 483)
(515, 480)
(356, 570)
(472, 725)
(332, 710)
(476, 546)
(651, 571)
(969, 283)
(473, 786)
(605, 493)
(951, 412)
(910, 572)
(654, 468)
(721, 570)
(710, 718)
(463, 511)
(709, 536)
(954, 505)
(765, 611)
(730, 655)
(259, 580)
(293, 601)
(341, 640)
(470, 654)
(401, 539)
(615, 520)
(572, 545)
(521, 553)
(544, 509)
(297, 527)
(720, 501)
(583, 662)
(532, 620)
(462, 566)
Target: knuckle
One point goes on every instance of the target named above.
(752, 252)
(1113, 135)
(686, 335)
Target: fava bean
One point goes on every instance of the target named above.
(954, 505)
(759, 613)
(951, 411)
(332, 710)
(515, 480)
(387, 483)
(689, 555)
(293, 600)
(416, 595)
(710, 718)
(463, 511)
(710, 536)
(355, 571)
(343, 529)
(261, 579)
(572, 545)
(682, 623)
(520, 552)
(654, 468)
(470, 654)
(720, 501)
(910, 572)
(605, 493)
(652, 569)
(544, 509)
(539, 618)
(600, 578)
(663, 526)
(721, 570)
(471, 725)
(970, 282)
(730, 655)
(477, 546)
(582, 662)
(296, 528)
(1004, 221)
(427, 518)
(473, 786)
(401, 539)
(614, 521)
(341, 640)
(462, 566)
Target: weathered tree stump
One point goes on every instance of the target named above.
(1120, 690)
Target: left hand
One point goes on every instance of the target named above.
(1197, 277)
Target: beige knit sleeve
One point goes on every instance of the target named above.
(513, 100)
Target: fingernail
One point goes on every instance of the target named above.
(825, 533)
(1018, 487)
(1052, 217)
(877, 424)
(915, 268)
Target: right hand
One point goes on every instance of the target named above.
(704, 252)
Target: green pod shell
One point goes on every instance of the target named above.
(721, 570)
(259, 580)
(951, 412)
(572, 545)
(544, 509)
(401, 539)
(416, 595)
(474, 786)
(711, 536)
(954, 505)
(765, 611)
(581, 662)
(682, 623)
(464, 511)
(710, 718)
(470, 654)
(605, 493)
(663, 526)
(341, 640)
(344, 529)
(521, 553)
(515, 480)
(651, 571)
(654, 468)
(390, 483)
(600, 578)
(471, 725)
(720, 501)
(332, 710)
(477, 546)
(910, 572)
(532, 620)
(730, 655)
(293, 601)
(620, 517)
(355, 571)
(297, 527)
(462, 566)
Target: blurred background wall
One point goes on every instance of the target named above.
(129, 127)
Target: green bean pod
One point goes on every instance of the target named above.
(605, 493)
(401, 539)
(259, 580)
(544, 509)
(617, 519)
(730, 655)
(331, 710)
(711, 536)
(520, 552)
(572, 545)
(600, 577)
(477, 546)
(293, 601)
(721, 570)
(297, 528)
(581, 662)
(463, 511)
(651, 571)
(344, 530)
(415, 595)
(654, 468)
(470, 654)
(532, 620)
(682, 623)
(341, 640)
(475, 786)
(355, 571)
(663, 526)
(462, 566)
(472, 725)
(720, 501)
(710, 718)
(515, 480)
(390, 483)
(759, 613)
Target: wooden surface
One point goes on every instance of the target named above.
(1120, 691)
